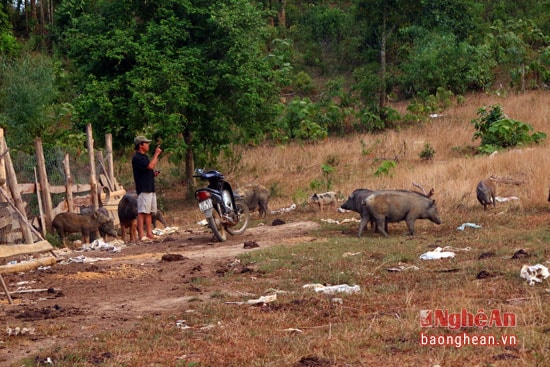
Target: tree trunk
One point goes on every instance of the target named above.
(189, 163)
(382, 102)
(282, 14)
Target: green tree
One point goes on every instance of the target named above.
(30, 105)
(380, 19)
(193, 74)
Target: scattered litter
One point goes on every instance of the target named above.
(331, 289)
(101, 245)
(275, 290)
(346, 254)
(403, 268)
(167, 230)
(457, 249)
(436, 254)
(284, 210)
(464, 225)
(16, 331)
(339, 301)
(182, 324)
(203, 222)
(262, 300)
(534, 273)
(43, 361)
(293, 330)
(501, 199)
(84, 260)
(347, 220)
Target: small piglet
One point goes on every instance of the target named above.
(324, 199)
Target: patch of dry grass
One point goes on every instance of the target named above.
(454, 171)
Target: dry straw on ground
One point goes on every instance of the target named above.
(453, 172)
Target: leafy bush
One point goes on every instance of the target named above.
(427, 153)
(496, 130)
(385, 168)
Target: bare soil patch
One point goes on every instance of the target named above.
(83, 299)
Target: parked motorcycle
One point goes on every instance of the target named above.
(225, 211)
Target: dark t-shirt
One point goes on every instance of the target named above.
(144, 178)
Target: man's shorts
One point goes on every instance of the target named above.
(147, 202)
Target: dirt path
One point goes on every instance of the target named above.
(86, 298)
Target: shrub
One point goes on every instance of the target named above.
(497, 131)
(385, 168)
(427, 153)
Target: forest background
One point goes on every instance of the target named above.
(204, 77)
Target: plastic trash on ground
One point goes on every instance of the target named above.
(437, 254)
(501, 199)
(262, 300)
(284, 210)
(331, 289)
(403, 268)
(167, 230)
(464, 225)
(534, 273)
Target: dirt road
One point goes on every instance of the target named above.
(95, 291)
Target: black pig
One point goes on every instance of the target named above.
(127, 215)
(397, 205)
(355, 203)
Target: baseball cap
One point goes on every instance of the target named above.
(141, 139)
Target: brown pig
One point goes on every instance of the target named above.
(256, 197)
(486, 191)
(397, 205)
(65, 223)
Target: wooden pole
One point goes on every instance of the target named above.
(40, 206)
(6, 290)
(44, 185)
(93, 178)
(11, 180)
(110, 168)
(68, 184)
(3, 150)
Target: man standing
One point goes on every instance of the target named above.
(144, 178)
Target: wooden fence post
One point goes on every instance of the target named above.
(3, 150)
(44, 184)
(68, 184)
(11, 180)
(110, 166)
(93, 180)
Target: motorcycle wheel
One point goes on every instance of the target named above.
(215, 224)
(244, 219)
